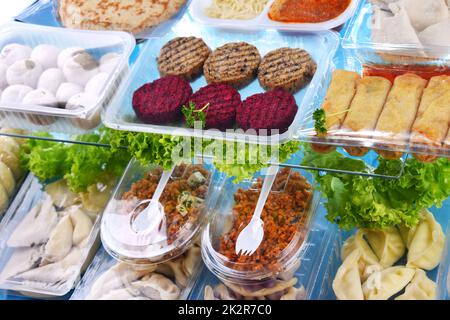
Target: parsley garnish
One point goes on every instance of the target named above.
(191, 115)
(319, 117)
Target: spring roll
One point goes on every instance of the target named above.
(447, 143)
(431, 128)
(437, 87)
(399, 112)
(337, 102)
(365, 109)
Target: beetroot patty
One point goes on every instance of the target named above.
(223, 101)
(160, 102)
(271, 110)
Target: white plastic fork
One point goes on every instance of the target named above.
(252, 235)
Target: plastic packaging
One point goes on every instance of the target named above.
(439, 274)
(274, 268)
(127, 232)
(121, 116)
(262, 21)
(107, 279)
(36, 117)
(48, 238)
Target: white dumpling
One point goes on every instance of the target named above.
(96, 85)
(174, 269)
(36, 227)
(14, 52)
(22, 260)
(67, 53)
(66, 91)
(61, 195)
(157, 287)
(208, 294)
(385, 284)
(368, 257)
(407, 234)
(82, 226)
(3, 70)
(252, 292)
(109, 62)
(347, 283)
(191, 260)
(4, 199)
(60, 241)
(387, 244)
(220, 291)
(427, 245)
(7, 179)
(10, 144)
(294, 294)
(384, 24)
(11, 160)
(51, 79)
(15, 94)
(436, 34)
(40, 97)
(118, 295)
(80, 68)
(46, 55)
(420, 288)
(424, 13)
(26, 72)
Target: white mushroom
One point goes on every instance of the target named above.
(51, 80)
(46, 55)
(81, 101)
(14, 52)
(41, 97)
(65, 54)
(96, 85)
(80, 68)
(109, 62)
(25, 72)
(15, 94)
(66, 91)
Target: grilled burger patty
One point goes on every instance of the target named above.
(287, 69)
(160, 102)
(183, 56)
(234, 64)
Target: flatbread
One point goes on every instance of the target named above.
(126, 15)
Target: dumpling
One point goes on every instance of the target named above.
(61, 195)
(220, 292)
(295, 294)
(191, 260)
(96, 197)
(7, 179)
(82, 226)
(387, 245)
(36, 227)
(420, 288)
(60, 242)
(347, 283)
(23, 259)
(277, 286)
(10, 144)
(384, 284)
(4, 200)
(11, 160)
(407, 234)
(436, 35)
(368, 257)
(427, 245)
(157, 287)
(118, 295)
(400, 22)
(424, 13)
(209, 293)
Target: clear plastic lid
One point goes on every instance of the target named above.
(286, 218)
(140, 229)
(48, 236)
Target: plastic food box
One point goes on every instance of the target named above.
(121, 116)
(262, 21)
(439, 275)
(108, 279)
(306, 275)
(34, 241)
(242, 272)
(97, 43)
(127, 233)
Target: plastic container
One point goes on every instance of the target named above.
(262, 21)
(260, 270)
(96, 43)
(107, 279)
(126, 229)
(438, 275)
(121, 116)
(47, 241)
(283, 286)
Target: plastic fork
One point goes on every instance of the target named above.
(251, 237)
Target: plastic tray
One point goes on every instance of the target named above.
(145, 251)
(439, 275)
(120, 114)
(41, 118)
(29, 195)
(262, 21)
(104, 262)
